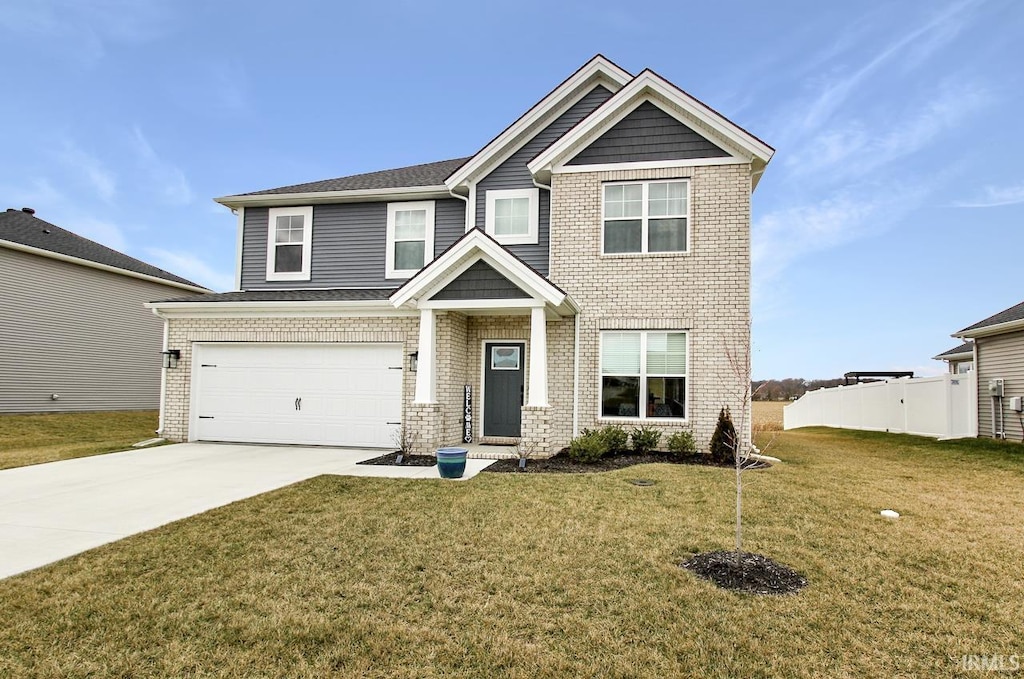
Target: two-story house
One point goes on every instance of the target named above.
(589, 265)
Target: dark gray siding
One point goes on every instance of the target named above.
(348, 244)
(481, 281)
(78, 332)
(513, 174)
(1000, 357)
(646, 134)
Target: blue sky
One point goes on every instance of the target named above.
(891, 215)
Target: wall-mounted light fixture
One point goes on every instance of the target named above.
(414, 361)
(171, 357)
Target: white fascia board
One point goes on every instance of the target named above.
(995, 329)
(360, 308)
(354, 196)
(649, 165)
(645, 86)
(102, 267)
(440, 269)
(955, 357)
(596, 71)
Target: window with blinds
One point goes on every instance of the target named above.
(643, 374)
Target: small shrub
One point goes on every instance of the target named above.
(682, 443)
(644, 439)
(615, 437)
(723, 441)
(589, 446)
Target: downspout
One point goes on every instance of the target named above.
(163, 383)
(576, 377)
(464, 199)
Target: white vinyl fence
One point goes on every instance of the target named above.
(943, 406)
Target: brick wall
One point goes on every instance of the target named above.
(705, 291)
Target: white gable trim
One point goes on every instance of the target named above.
(597, 71)
(475, 246)
(649, 86)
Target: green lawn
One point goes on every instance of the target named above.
(556, 576)
(31, 439)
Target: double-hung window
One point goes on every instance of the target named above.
(410, 238)
(643, 374)
(513, 215)
(644, 217)
(288, 243)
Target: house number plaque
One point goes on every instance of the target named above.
(467, 431)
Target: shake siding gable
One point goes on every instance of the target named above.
(1000, 357)
(481, 281)
(348, 248)
(513, 174)
(647, 134)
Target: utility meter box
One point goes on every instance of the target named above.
(1017, 404)
(995, 388)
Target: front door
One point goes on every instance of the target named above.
(504, 373)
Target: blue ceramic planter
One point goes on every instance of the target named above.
(451, 462)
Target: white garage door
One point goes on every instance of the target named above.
(312, 394)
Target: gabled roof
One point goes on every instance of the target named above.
(20, 229)
(964, 350)
(1007, 320)
(649, 86)
(475, 246)
(598, 71)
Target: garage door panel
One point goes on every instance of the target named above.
(350, 394)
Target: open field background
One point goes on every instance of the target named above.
(557, 575)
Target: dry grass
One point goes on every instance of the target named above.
(767, 415)
(555, 576)
(32, 439)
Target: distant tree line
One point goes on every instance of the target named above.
(788, 389)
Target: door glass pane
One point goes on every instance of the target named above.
(505, 358)
(666, 235)
(409, 255)
(666, 397)
(288, 259)
(622, 236)
(620, 396)
(620, 353)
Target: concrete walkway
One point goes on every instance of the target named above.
(51, 511)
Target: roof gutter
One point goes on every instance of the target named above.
(354, 196)
(994, 329)
(102, 267)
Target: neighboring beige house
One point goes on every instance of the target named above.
(589, 265)
(959, 359)
(998, 357)
(75, 332)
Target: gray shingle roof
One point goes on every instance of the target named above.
(339, 295)
(1014, 313)
(428, 174)
(23, 228)
(965, 348)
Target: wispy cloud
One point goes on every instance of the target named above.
(38, 193)
(996, 196)
(191, 267)
(99, 230)
(99, 178)
(170, 181)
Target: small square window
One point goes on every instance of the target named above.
(505, 358)
(512, 216)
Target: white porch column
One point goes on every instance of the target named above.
(426, 373)
(538, 358)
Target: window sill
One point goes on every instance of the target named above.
(272, 277)
(634, 255)
(641, 420)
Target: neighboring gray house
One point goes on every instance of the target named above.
(74, 331)
(960, 359)
(998, 356)
(590, 265)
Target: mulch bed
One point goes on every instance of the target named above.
(561, 464)
(407, 461)
(754, 574)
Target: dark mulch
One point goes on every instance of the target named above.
(407, 461)
(754, 574)
(561, 464)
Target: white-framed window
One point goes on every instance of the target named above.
(410, 238)
(964, 367)
(643, 374)
(645, 217)
(289, 237)
(513, 215)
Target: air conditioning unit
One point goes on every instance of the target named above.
(1017, 404)
(995, 388)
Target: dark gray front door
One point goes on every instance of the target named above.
(504, 372)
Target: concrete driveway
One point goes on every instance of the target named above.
(51, 511)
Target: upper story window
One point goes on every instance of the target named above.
(643, 374)
(410, 238)
(288, 243)
(513, 215)
(643, 217)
